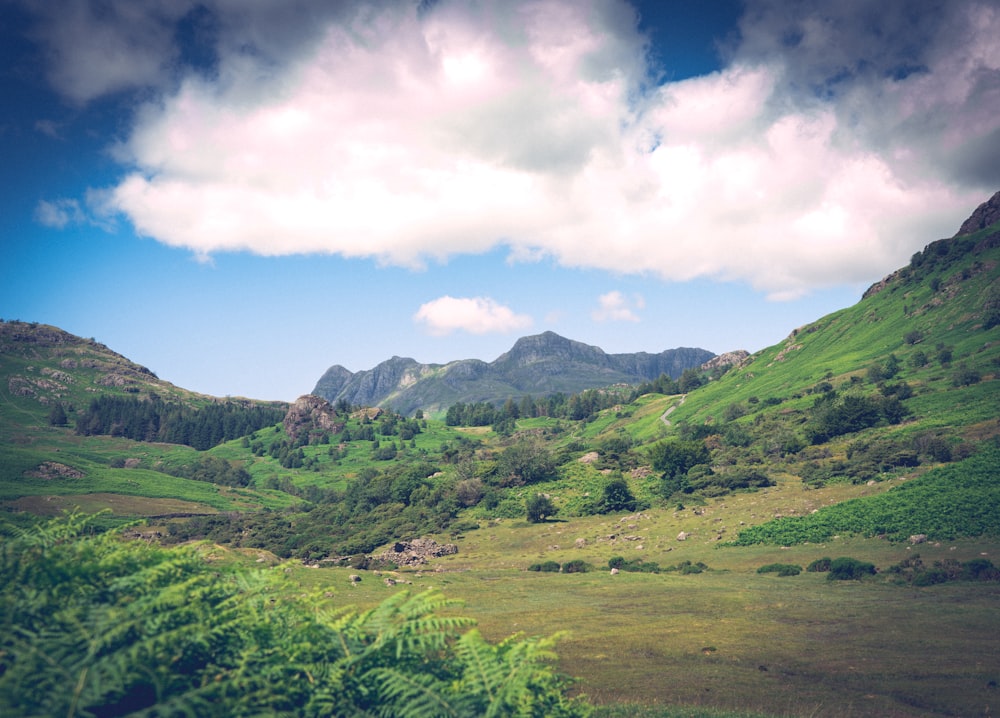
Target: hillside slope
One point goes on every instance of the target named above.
(538, 365)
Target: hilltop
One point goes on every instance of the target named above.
(538, 365)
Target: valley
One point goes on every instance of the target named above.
(870, 434)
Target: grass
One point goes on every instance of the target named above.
(729, 638)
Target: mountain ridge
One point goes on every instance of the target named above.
(539, 364)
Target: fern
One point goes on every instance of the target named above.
(94, 624)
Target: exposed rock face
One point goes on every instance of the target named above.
(538, 365)
(986, 214)
(416, 552)
(734, 359)
(311, 413)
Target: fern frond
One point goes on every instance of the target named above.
(414, 695)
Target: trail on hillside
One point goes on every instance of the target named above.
(668, 412)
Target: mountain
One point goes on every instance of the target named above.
(537, 365)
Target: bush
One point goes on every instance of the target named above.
(782, 569)
(686, 567)
(635, 566)
(576, 566)
(848, 569)
(545, 567)
(820, 565)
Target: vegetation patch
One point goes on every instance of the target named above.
(961, 499)
(781, 569)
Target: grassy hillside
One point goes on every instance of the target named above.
(864, 428)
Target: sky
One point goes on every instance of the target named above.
(240, 195)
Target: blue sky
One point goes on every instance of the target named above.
(239, 195)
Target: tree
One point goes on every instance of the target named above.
(690, 380)
(674, 458)
(525, 462)
(617, 497)
(57, 417)
(539, 508)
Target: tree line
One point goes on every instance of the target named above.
(173, 423)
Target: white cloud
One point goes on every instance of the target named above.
(476, 315)
(59, 213)
(831, 146)
(615, 307)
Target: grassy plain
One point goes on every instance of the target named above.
(727, 639)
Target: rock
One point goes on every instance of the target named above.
(614, 572)
(416, 552)
(918, 538)
(354, 578)
(580, 543)
(986, 214)
(683, 536)
(311, 413)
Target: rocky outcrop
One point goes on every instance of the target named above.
(415, 552)
(311, 414)
(986, 214)
(731, 359)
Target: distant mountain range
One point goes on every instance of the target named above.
(537, 365)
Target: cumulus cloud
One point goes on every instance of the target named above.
(476, 315)
(833, 142)
(615, 307)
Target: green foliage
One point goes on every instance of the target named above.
(961, 499)
(215, 470)
(157, 420)
(539, 507)
(545, 567)
(98, 625)
(782, 569)
(616, 497)
(576, 566)
(834, 416)
(849, 569)
(636, 565)
(820, 565)
(674, 458)
(914, 571)
(525, 462)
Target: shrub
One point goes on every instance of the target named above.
(686, 567)
(545, 567)
(848, 569)
(575, 566)
(980, 569)
(782, 569)
(635, 566)
(820, 565)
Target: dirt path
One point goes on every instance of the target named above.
(668, 412)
